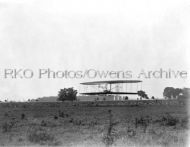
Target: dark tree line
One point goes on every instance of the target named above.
(175, 93)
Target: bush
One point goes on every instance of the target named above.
(55, 117)
(171, 121)
(143, 121)
(108, 140)
(41, 136)
(22, 116)
(168, 120)
(62, 114)
(131, 132)
(6, 114)
(184, 122)
(7, 126)
(43, 123)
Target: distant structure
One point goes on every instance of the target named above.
(45, 99)
(113, 90)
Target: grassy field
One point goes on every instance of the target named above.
(93, 124)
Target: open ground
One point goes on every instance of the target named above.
(129, 123)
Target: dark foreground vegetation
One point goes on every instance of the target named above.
(93, 124)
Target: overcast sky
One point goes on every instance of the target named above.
(101, 34)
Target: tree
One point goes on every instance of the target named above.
(184, 95)
(186, 92)
(170, 92)
(177, 92)
(67, 94)
(142, 94)
(126, 98)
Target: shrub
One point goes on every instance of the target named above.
(71, 120)
(131, 132)
(43, 123)
(108, 140)
(7, 126)
(168, 120)
(92, 123)
(55, 117)
(41, 136)
(6, 114)
(184, 122)
(22, 116)
(171, 121)
(62, 114)
(144, 120)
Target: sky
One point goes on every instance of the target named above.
(114, 35)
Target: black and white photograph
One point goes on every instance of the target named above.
(94, 73)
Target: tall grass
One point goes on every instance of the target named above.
(42, 136)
